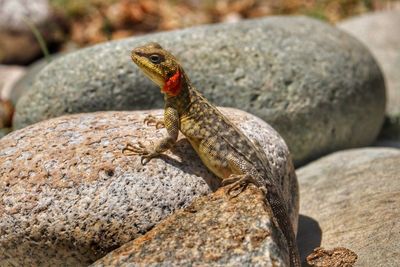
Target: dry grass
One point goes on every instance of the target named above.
(95, 21)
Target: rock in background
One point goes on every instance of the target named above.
(24, 84)
(69, 195)
(9, 76)
(18, 44)
(380, 32)
(320, 88)
(353, 198)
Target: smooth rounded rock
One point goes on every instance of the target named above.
(69, 195)
(317, 86)
(380, 32)
(352, 199)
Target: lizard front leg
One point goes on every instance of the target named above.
(171, 122)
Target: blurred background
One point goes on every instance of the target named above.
(31, 31)
(32, 28)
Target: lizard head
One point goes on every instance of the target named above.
(160, 66)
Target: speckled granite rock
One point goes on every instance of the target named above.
(317, 86)
(337, 257)
(379, 31)
(354, 196)
(68, 194)
(212, 231)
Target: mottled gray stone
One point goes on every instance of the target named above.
(69, 195)
(212, 231)
(352, 199)
(319, 87)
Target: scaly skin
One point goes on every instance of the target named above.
(222, 147)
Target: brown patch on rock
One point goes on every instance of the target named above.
(337, 257)
(222, 231)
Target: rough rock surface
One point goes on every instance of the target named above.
(354, 196)
(337, 257)
(68, 195)
(380, 32)
(316, 85)
(213, 231)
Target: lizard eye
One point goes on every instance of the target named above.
(155, 58)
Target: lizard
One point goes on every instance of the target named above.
(221, 146)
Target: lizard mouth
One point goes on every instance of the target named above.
(148, 68)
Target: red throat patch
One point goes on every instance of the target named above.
(173, 85)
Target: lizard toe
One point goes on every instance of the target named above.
(146, 158)
(151, 120)
(160, 124)
(135, 149)
(236, 189)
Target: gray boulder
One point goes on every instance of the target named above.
(319, 87)
(352, 199)
(69, 195)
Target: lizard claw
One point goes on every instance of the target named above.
(146, 158)
(238, 187)
(139, 149)
(236, 183)
(136, 149)
(229, 180)
(150, 119)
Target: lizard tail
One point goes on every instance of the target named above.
(282, 218)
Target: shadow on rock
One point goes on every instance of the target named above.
(181, 150)
(309, 236)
